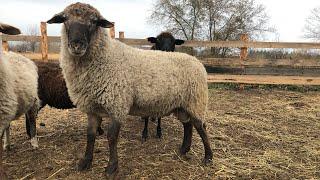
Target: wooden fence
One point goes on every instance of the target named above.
(234, 70)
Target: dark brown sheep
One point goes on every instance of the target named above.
(52, 91)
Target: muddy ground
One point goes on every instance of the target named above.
(263, 134)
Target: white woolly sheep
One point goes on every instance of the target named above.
(108, 78)
(18, 89)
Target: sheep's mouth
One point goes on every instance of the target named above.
(77, 51)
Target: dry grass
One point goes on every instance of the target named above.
(255, 134)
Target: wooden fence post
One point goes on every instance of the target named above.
(243, 54)
(44, 41)
(244, 50)
(5, 46)
(0, 46)
(113, 31)
(121, 35)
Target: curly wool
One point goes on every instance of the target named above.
(114, 79)
(18, 87)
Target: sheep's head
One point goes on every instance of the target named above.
(165, 42)
(7, 29)
(81, 22)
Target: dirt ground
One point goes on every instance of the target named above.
(258, 134)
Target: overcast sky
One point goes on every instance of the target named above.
(287, 16)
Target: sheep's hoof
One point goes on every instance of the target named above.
(112, 171)
(3, 175)
(144, 136)
(184, 150)
(207, 161)
(144, 139)
(100, 131)
(84, 164)
(159, 134)
(34, 143)
(185, 157)
(7, 147)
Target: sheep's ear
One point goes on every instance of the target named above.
(57, 19)
(7, 29)
(152, 39)
(104, 23)
(179, 42)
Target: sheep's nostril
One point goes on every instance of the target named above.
(76, 46)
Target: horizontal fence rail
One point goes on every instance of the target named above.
(240, 70)
(263, 79)
(144, 42)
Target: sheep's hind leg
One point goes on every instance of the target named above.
(200, 127)
(145, 129)
(100, 131)
(187, 138)
(28, 125)
(159, 130)
(86, 162)
(113, 134)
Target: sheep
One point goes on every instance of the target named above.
(52, 91)
(18, 89)
(106, 78)
(163, 42)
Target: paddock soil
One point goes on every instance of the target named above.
(255, 134)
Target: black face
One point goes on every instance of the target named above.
(165, 43)
(79, 37)
(80, 30)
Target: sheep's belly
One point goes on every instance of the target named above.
(153, 110)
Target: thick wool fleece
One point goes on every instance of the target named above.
(52, 87)
(18, 87)
(113, 79)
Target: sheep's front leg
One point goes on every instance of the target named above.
(86, 162)
(6, 144)
(145, 129)
(3, 174)
(113, 134)
(159, 130)
(31, 118)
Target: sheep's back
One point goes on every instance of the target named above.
(167, 79)
(23, 83)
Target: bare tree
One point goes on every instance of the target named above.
(33, 30)
(227, 19)
(181, 17)
(211, 19)
(312, 26)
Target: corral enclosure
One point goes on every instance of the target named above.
(255, 133)
(259, 134)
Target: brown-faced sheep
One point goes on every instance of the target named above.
(108, 78)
